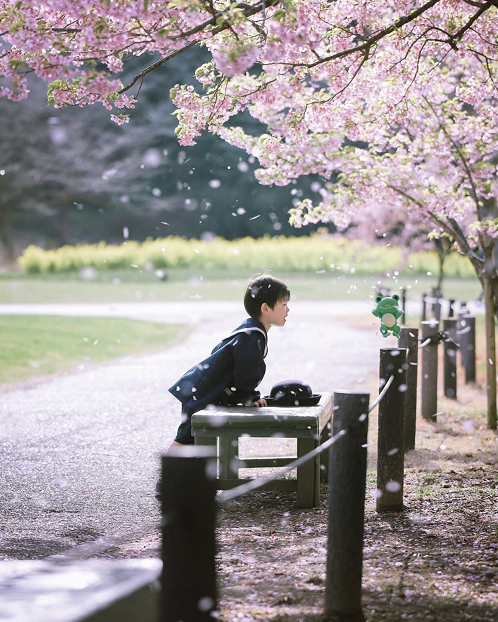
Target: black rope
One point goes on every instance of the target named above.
(438, 338)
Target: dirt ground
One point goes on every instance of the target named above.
(436, 560)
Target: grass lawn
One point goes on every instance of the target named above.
(41, 345)
(182, 284)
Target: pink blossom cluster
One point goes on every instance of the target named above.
(61, 40)
(235, 61)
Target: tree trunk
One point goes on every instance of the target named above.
(6, 234)
(444, 247)
(62, 226)
(439, 284)
(489, 301)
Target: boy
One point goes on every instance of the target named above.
(236, 365)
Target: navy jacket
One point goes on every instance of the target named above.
(231, 374)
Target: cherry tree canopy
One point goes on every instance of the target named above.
(406, 77)
(303, 54)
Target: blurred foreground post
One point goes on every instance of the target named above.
(346, 508)
(188, 530)
(391, 441)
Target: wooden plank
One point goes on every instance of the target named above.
(324, 457)
(205, 440)
(224, 414)
(239, 420)
(241, 432)
(253, 463)
(281, 485)
(326, 413)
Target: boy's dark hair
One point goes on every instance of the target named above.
(264, 288)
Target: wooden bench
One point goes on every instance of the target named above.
(308, 424)
(93, 590)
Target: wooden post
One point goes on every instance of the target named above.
(429, 371)
(424, 307)
(391, 441)
(188, 530)
(408, 338)
(450, 358)
(469, 348)
(346, 508)
(462, 336)
(490, 353)
(403, 305)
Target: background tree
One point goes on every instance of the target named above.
(392, 226)
(71, 175)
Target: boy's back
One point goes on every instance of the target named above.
(230, 374)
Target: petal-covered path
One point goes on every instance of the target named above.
(80, 452)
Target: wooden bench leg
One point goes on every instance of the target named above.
(205, 441)
(316, 502)
(228, 454)
(308, 475)
(325, 456)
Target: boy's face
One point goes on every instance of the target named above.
(277, 315)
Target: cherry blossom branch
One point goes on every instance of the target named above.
(248, 11)
(463, 160)
(155, 65)
(472, 20)
(455, 232)
(374, 39)
(403, 21)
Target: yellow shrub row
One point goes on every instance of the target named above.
(303, 254)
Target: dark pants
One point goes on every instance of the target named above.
(184, 433)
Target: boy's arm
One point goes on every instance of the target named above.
(249, 367)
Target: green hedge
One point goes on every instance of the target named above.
(302, 254)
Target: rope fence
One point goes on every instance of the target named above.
(189, 512)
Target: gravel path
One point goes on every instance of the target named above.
(80, 452)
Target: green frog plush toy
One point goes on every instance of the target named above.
(388, 311)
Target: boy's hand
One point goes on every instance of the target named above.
(260, 402)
